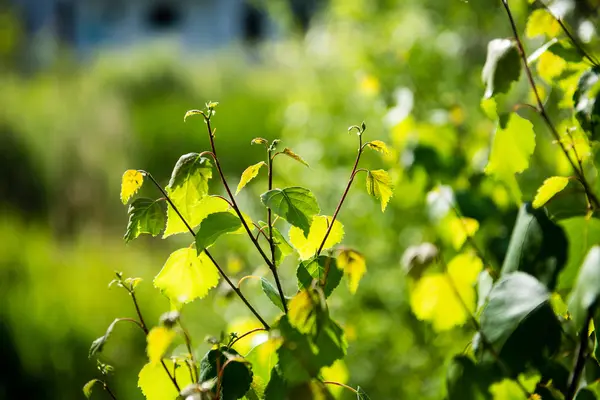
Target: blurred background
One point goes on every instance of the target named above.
(89, 88)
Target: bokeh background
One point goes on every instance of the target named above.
(89, 88)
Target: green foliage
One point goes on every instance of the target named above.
(145, 216)
(296, 205)
(323, 269)
(214, 226)
(236, 374)
(587, 106)
(585, 294)
(502, 66)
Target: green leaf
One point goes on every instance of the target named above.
(502, 66)
(582, 234)
(296, 205)
(271, 293)
(237, 374)
(186, 276)
(541, 22)
(537, 246)
(379, 146)
(354, 266)
(587, 105)
(191, 113)
(98, 344)
(277, 386)
(361, 395)
(379, 185)
(159, 339)
(462, 379)
(307, 246)
(324, 269)
(585, 294)
(131, 182)
(156, 384)
(282, 247)
(145, 216)
(87, 388)
(288, 152)
(186, 189)
(519, 323)
(249, 173)
(214, 226)
(585, 394)
(484, 286)
(549, 188)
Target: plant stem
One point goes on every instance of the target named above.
(245, 334)
(341, 385)
(112, 395)
(189, 228)
(544, 114)
(580, 360)
(138, 323)
(188, 344)
(230, 194)
(339, 206)
(273, 267)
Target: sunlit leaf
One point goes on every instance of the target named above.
(550, 66)
(507, 389)
(582, 234)
(186, 276)
(249, 173)
(259, 140)
(131, 182)
(434, 297)
(354, 266)
(194, 215)
(541, 22)
(191, 113)
(87, 388)
(145, 216)
(214, 226)
(307, 246)
(379, 146)
(158, 341)
(155, 383)
(461, 229)
(324, 269)
(502, 66)
(549, 188)
(337, 372)
(379, 185)
(288, 152)
(586, 293)
(296, 205)
(302, 311)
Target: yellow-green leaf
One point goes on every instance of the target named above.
(302, 311)
(461, 229)
(192, 113)
(540, 22)
(308, 246)
(259, 140)
(156, 384)
(249, 174)
(434, 299)
(549, 189)
(288, 152)
(130, 183)
(354, 266)
(87, 388)
(194, 214)
(158, 341)
(379, 146)
(186, 276)
(549, 66)
(379, 185)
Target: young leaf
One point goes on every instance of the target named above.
(145, 216)
(587, 103)
(361, 394)
(307, 246)
(502, 66)
(131, 182)
(249, 173)
(549, 188)
(295, 156)
(259, 140)
(194, 214)
(98, 344)
(159, 339)
(271, 293)
(192, 113)
(537, 246)
(586, 292)
(379, 185)
(582, 234)
(214, 226)
(324, 269)
(186, 276)
(354, 266)
(187, 187)
(155, 383)
(540, 22)
(379, 146)
(434, 297)
(296, 205)
(237, 375)
(87, 388)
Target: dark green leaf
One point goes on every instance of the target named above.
(502, 66)
(361, 395)
(537, 246)
(237, 375)
(98, 344)
(271, 293)
(277, 387)
(461, 379)
(582, 234)
(585, 394)
(145, 216)
(214, 226)
(519, 322)
(282, 247)
(565, 51)
(87, 388)
(585, 294)
(296, 205)
(324, 269)
(587, 106)
(188, 166)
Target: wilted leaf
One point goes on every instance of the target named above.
(379, 185)
(214, 226)
(354, 266)
(296, 205)
(379, 146)
(249, 173)
(186, 276)
(130, 183)
(288, 152)
(502, 66)
(549, 188)
(145, 216)
(159, 339)
(307, 246)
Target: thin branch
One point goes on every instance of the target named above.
(112, 395)
(135, 321)
(341, 385)
(223, 274)
(542, 110)
(188, 344)
(247, 277)
(245, 334)
(470, 238)
(580, 360)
